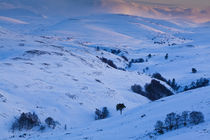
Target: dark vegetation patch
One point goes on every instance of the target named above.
(2, 98)
(172, 83)
(28, 121)
(138, 60)
(51, 123)
(37, 52)
(109, 62)
(153, 91)
(58, 53)
(99, 81)
(113, 51)
(194, 70)
(202, 82)
(138, 89)
(124, 57)
(20, 58)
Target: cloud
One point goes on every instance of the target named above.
(130, 7)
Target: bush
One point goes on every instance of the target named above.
(138, 89)
(159, 127)
(194, 70)
(166, 56)
(26, 121)
(196, 117)
(101, 114)
(155, 90)
(50, 122)
(149, 55)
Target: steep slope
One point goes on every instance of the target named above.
(60, 81)
(137, 123)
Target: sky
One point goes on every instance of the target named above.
(186, 3)
(195, 10)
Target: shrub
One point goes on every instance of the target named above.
(149, 55)
(194, 70)
(101, 114)
(166, 56)
(120, 107)
(196, 117)
(50, 122)
(138, 89)
(155, 90)
(26, 121)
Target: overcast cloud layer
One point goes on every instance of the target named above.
(131, 7)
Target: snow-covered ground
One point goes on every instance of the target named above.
(52, 67)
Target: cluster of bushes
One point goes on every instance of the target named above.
(116, 52)
(202, 82)
(154, 90)
(104, 113)
(101, 114)
(27, 121)
(175, 121)
(138, 60)
(113, 51)
(172, 83)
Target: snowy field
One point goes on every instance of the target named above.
(52, 67)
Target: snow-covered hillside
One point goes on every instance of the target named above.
(53, 67)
